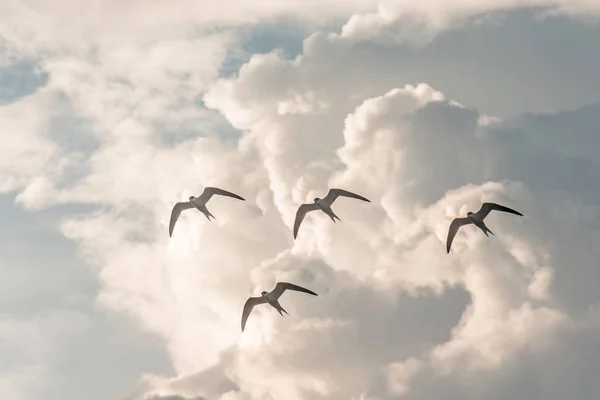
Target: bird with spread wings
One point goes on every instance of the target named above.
(324, 205)
(199, 203)
(476, 219)
(272, 298)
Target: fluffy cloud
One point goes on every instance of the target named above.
(417, 23)
(412, 149)
(394, 312)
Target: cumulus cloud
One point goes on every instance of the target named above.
(417, 23)
(396, 250)
(413, 150)
(394, 312)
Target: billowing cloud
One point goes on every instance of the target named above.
(412, 149)
(396, 316)
(417, 23)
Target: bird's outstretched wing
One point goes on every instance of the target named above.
(210, 191)
(302, 210)
(454, 226)
(283, 286)
(486, 208)
(335, 193)
(177, 209)
(248, 306)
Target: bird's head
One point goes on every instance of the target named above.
(192, 198)
(469, 214)
(317, 199)
(263, 293)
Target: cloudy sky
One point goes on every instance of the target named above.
(112, 111)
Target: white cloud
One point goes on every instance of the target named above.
(502, 318)
(400, 374)
(26, 151)
(393, 309)
(409, 152)
(418, 22)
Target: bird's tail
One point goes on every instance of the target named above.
(486, 230)
(207, 214)
(333, 217)
(280, 309)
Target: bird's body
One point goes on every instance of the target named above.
(326, 208)
(478, 222)
(201, 207)
(324, 205)
(198, 203)
(476, 219)
(271, 298)
(273, 302)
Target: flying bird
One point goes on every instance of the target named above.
(477, 219)
(198, 203)
(272, 298)
(324, 205)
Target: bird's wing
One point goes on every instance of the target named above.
(210, 191)
(248, 306)
(283, 286)
(454, 226)
(486, 208)
(335, 193)
(177, 209)
(302, 210)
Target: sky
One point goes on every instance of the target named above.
(113, 111)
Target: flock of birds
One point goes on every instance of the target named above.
(324, 204)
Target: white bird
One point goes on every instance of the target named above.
(477, 219)
(324, 205)
(198, 203)
(272, 298)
